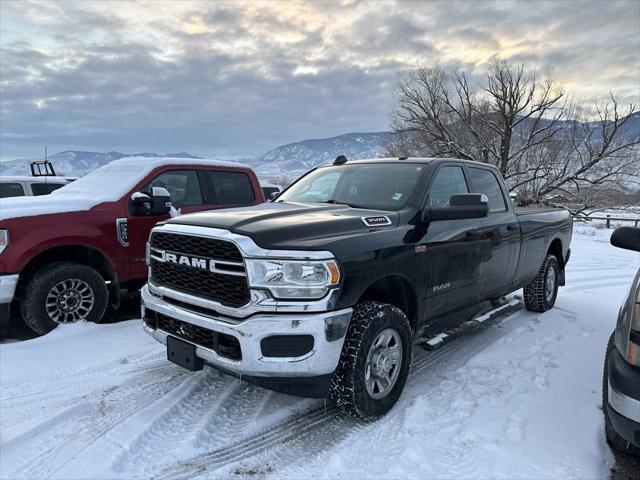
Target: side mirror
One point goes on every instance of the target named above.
(156, 203)
(467, 205)
(627, 238)
(273, 196)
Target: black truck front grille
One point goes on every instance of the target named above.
(229, 289)
(196, 246)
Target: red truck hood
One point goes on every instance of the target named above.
(16, 207)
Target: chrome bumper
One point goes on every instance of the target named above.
(626, 406)
(327, 328)
(8, 284)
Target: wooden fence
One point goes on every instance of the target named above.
(608, 219)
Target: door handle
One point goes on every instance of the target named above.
(474, 234)
(512, 228)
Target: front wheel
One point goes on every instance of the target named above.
(375, 361)
(540, 295)
(63, 292)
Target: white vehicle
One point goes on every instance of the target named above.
(26, 186)
(270, 190)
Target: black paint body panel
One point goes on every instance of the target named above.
(448, 264)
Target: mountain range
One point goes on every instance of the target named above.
(287, 161)
(282, 164)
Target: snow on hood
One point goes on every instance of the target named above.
(105, 184)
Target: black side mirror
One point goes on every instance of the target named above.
(627, 238)
(156, 203)
(462, 206)
(273, 196)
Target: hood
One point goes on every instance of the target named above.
(15, 207)
(280, 225)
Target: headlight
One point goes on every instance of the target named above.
(4, 239)
(293, 279)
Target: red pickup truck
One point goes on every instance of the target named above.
(65, 256)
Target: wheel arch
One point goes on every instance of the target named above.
(395, 290)
(555, 249)
(83, 254)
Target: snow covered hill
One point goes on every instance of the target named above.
(287, 161)
(296, 158)
(78, 163)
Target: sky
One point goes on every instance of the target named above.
(235, 79)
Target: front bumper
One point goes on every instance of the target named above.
(8, 284)
(328, 330)
(624, 397)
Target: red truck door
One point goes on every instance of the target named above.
(191, 190)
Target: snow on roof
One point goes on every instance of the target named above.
(108, 183)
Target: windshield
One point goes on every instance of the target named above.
(381, 186)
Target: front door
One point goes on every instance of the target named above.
(453, 254)
(186, 196)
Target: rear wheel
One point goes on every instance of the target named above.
(63, 292)
(540, 295)
(375, 361)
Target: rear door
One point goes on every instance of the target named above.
(228, 188)
(501, 229)
(453, 251)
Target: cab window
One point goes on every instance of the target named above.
(229, 188)
(447, 182)
(182, 185)
(485, 181)
(45, 188)
(11, 190)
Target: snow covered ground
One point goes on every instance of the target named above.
(517, 399)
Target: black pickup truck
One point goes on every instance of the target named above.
(325, 291)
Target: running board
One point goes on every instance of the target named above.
(511, 305)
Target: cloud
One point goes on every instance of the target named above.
(234, 79)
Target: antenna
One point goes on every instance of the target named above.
(45, 153)
(340, 160)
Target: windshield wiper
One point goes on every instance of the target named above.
(336, 202)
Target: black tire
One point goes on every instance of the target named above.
(535, 294)
(615, 441)
(34, 297)
(348, 388)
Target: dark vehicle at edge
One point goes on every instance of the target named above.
(324, 292)
(621, 383)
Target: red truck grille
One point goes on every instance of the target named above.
(229, 289)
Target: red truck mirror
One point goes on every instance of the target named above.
(157, 202)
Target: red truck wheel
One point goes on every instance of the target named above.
(63, 292)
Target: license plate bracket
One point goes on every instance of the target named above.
(184, 354)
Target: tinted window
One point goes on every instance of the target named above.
(376, 186)
(183, 186)
(485, 181)
(11, 190)
(230, 188)
(447, 182)
(44, 188)
(268, 191)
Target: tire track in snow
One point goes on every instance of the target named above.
(64, 436)
(324, 428)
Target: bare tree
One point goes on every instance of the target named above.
(541, 142)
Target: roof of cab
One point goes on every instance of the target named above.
(407, 160)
